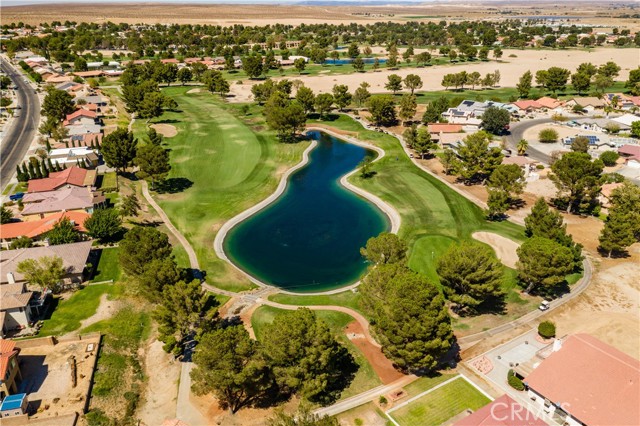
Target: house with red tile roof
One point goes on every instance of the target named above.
(525, 106)
(586, 382)
(80, 116)
(74, 176)
(70, 198)
(503, 411)
(630, 152)
(549, 103)
(9, 367)
(444, 128)
(36, 229)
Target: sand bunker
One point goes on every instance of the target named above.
(504, 247)
(166, 130)
(194, 91)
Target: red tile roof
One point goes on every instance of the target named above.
(444, 128)
(548, 102)
(72, 176)
(503, 411)
(594, 382)
(527, 104)
(632, 150)
(7, 351)
(79, 113)
(36, 228)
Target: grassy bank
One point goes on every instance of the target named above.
(223, 162)
(365, 378)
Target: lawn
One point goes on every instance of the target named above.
(364, 379)
(347, 299)
(108, 265)
(425, 383)
(68, 314)
(108, 181)
(222, 163)
(440, 405)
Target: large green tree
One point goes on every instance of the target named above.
(306, 358)
(63, 232)
(543, 263)
(302, 417)
(385, 248)
(578, 179)
(471, 275)
(185, 311)
(119, 149)
(423, 143)
(57, 104)
(286, 117)
(45, 272)
(476, 160)
(5, 215)
(306, 99)
(524, 84)
(323, 103)
(153, 163)
(341, 96)
(394, 83)
(382, 109)
(408, 316)
(412, 82)
(230, 365)
(622, 227)
(434, 110)
(408, 106)
(104, 224)
(496, 120)
(140, 246)
(508, 178)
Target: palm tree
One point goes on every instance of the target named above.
(522, 147)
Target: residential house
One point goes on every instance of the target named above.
(503, 411)
(601, 125)
(525, 163)
(89, 74)
(623, 102)
(74, 258)
(451, 140)
(586, 382)
(15, 305)
(588, 103)
(527, 106)
(74, 176)
(69, 86)
(91, 140)
(58, 78)
(9, 367)
(36, 229)
(82, 121)
(73, 156)
(550, 103)
(630, 153)
(70, 198)
(627, 119)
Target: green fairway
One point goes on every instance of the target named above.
(222, 163)
(69, 313)
(365, 378)
(438, 406)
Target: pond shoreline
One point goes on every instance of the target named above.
(392, 215)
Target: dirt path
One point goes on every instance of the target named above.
(106, 309)
(504, 247)
(380, 363)
(160, 396)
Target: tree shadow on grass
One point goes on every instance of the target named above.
(173, 185)
(326, 117)
(168, 120)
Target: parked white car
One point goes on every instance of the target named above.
(544, 305)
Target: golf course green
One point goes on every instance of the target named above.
(309, 238)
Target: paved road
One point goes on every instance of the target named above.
(517, 133)
(21, 132)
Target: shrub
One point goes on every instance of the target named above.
(548, 136)
(559, 117)
(539, 167)
(609, 158)
(514, 381)
(547, 329)
(382, 400)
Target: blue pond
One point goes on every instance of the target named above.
(349, 61)
(309, 239)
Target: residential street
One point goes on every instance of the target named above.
(18, 137)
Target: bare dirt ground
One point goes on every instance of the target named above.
(511, 69)
(381, 365)
(161, 392)
(504, 247)
(588, 12)
(106, 309)
(166, 130)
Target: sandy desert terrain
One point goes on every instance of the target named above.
(511, 68)
(588, 11)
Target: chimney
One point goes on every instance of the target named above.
(10, 278)
(557, 345)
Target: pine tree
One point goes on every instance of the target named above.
(617, 234)
(38, 170)
(43, 166)
(32, 171)
(50, 166)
